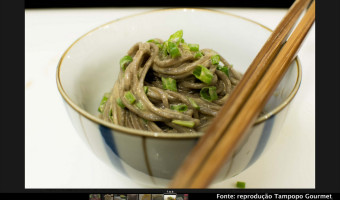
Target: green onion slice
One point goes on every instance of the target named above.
(164, 49)
(215, 59)
(173, 50)
(156, 42)
(103, 102)
(189, 124)
(139, 105)
(145, 120)
(120, 103)
(224, 69)
(209, 93)
(153, 41)
(198, 54)
(194, 104)
(111, 115)
(146, 89)
(202, 73)
(185, 46)
(179, 107)
(193, 47)
(130, 97)
(125, 61)
(169, 84)
(241, 184)
(176, 37)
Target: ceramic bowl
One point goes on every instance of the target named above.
(90, 66)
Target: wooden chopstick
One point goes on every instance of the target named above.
(204, 161)
(255, 103)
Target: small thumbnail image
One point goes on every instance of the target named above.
(179, 196)
(186, 196)
(132, 197)
(182, 197)
(94, 197)
(169, 197)
(157, 196)
(119, 197)
(144, 196)
(108, 196)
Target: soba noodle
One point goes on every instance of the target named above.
(169, 86)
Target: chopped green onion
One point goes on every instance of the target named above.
(224, 69)
(139, 105)
(145, 120)
(193, 47)
(130, 97)
(125, 61)
(215, 59)
(241, 184)
(103, 101)
(120, 103)
(189, 124)
(173, 50)
(164, 49)
(185, 46)
(176, 37)
(153, 41)
(156, 42)
(194, 104)
(179, 108)
(146, 89)
(198, 54)
(209, 93)
(169, 84)
(203, 74)
(111, 115)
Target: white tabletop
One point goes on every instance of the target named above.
(55, 156)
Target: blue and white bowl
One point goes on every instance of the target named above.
(90, 66)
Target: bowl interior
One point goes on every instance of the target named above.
(90, 66)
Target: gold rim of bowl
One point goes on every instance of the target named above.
(166, 135)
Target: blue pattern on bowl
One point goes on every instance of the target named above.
(110, 141)
(263, 140)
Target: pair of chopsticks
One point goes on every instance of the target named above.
(246, 101)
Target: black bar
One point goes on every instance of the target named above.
(145, 3)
